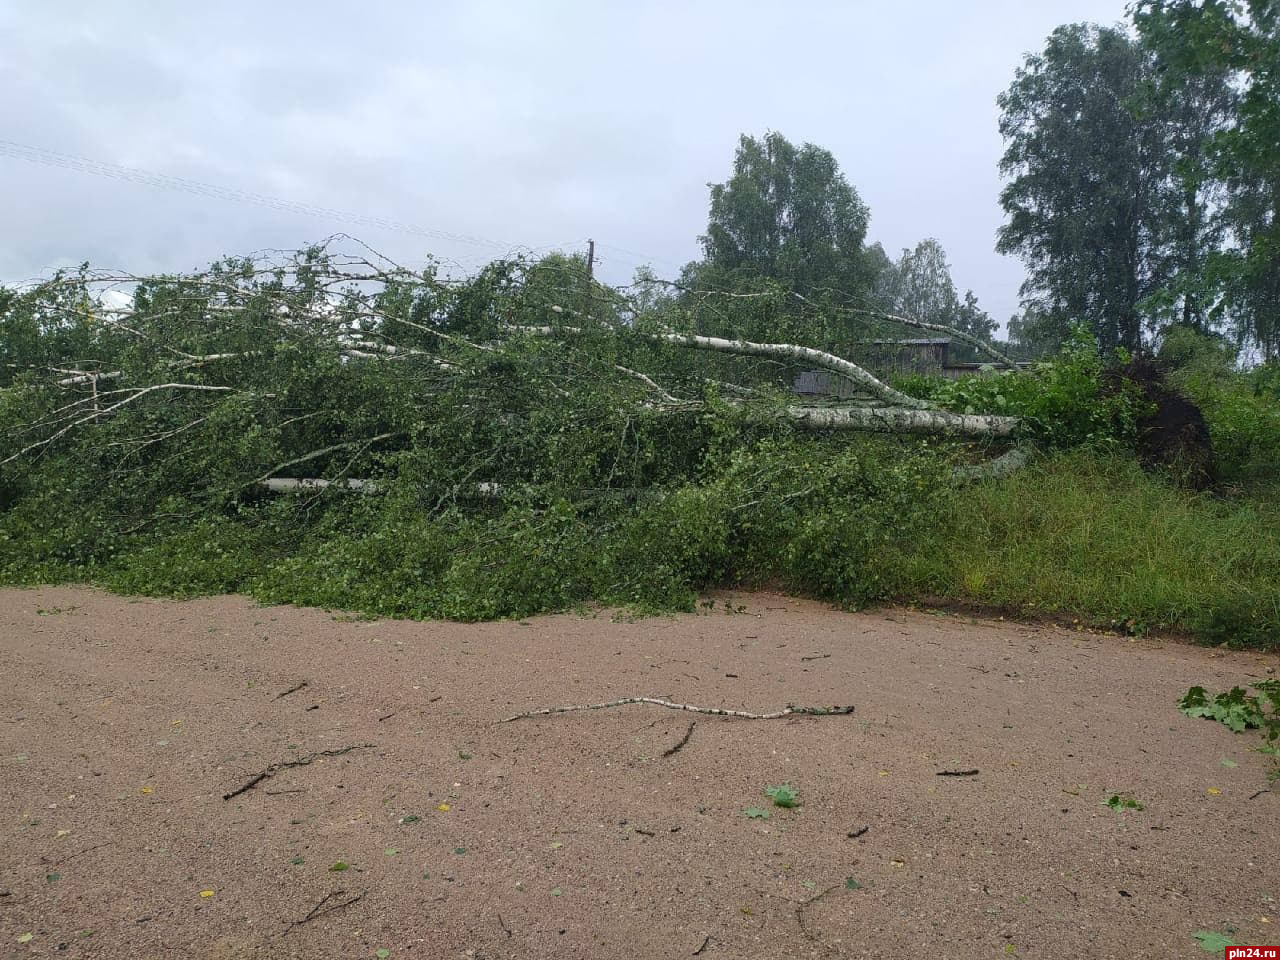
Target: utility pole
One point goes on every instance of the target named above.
(591, 259)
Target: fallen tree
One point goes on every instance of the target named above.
(481, 418)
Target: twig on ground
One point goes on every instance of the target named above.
(854, 834)
(294, 689)
(1266, 789)
(275, 768)
(672, 751)
(81, 853)
(388, 716)
(800, 911)
(503, 924)
(319, 910)
(276, 793)
(788, 711)
(816, 656)
(705, 940)
(957, 773)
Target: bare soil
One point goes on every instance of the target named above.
(124, 723)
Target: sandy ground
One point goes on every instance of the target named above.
(124, 722)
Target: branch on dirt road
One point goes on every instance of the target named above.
(275, 768)
(788, 711)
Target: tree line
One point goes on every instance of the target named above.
(1142, 192)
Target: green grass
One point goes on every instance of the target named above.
(1101, 540)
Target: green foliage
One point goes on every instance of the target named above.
(1239, 711)
(1198, 41)
(510, 475)
(1242, 409)
(786, 214)
(1086, 170)
(1065, 401)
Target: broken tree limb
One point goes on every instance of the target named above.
(902, 420)
(789, 710)
(976, 342)
(275, 768)
(863, 379)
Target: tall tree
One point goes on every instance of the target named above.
(973, 319)
(922, 286)
(1198, 42)
(787, 214)
(1088, 179)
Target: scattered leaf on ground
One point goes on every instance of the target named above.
(852, 884)
(459, 850)
(756, 813)
(297, 861)
(339, 866)
(1123, 801)
(556, 892)
(25, 937)
(783, 796)
(443, 808)
(1213, 942)
(1213, 791)
(390, 851)
(1229, 763)
(206, 894)
(411, 818)
(382, 953)
(52, 877)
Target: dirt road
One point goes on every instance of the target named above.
(125, 722)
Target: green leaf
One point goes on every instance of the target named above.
(852, 884)
(52, 877)
(339, 866)
(390, 851)
(755, 813)
(382, 953)
(783, 796)
(1120, 802)
(1228, 763)
(1213, 942)
(459, 850)
(297, 861)
(1195, 703)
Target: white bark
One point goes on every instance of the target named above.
(976, 342)
(291, 485)
(859, 377)
(900, 420)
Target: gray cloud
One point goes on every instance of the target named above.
(535, 125)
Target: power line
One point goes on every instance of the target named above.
(101, 168)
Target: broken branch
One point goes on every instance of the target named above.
(788, 711)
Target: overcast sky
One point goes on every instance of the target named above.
(531, 125)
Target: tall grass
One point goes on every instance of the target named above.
(1099, 539)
